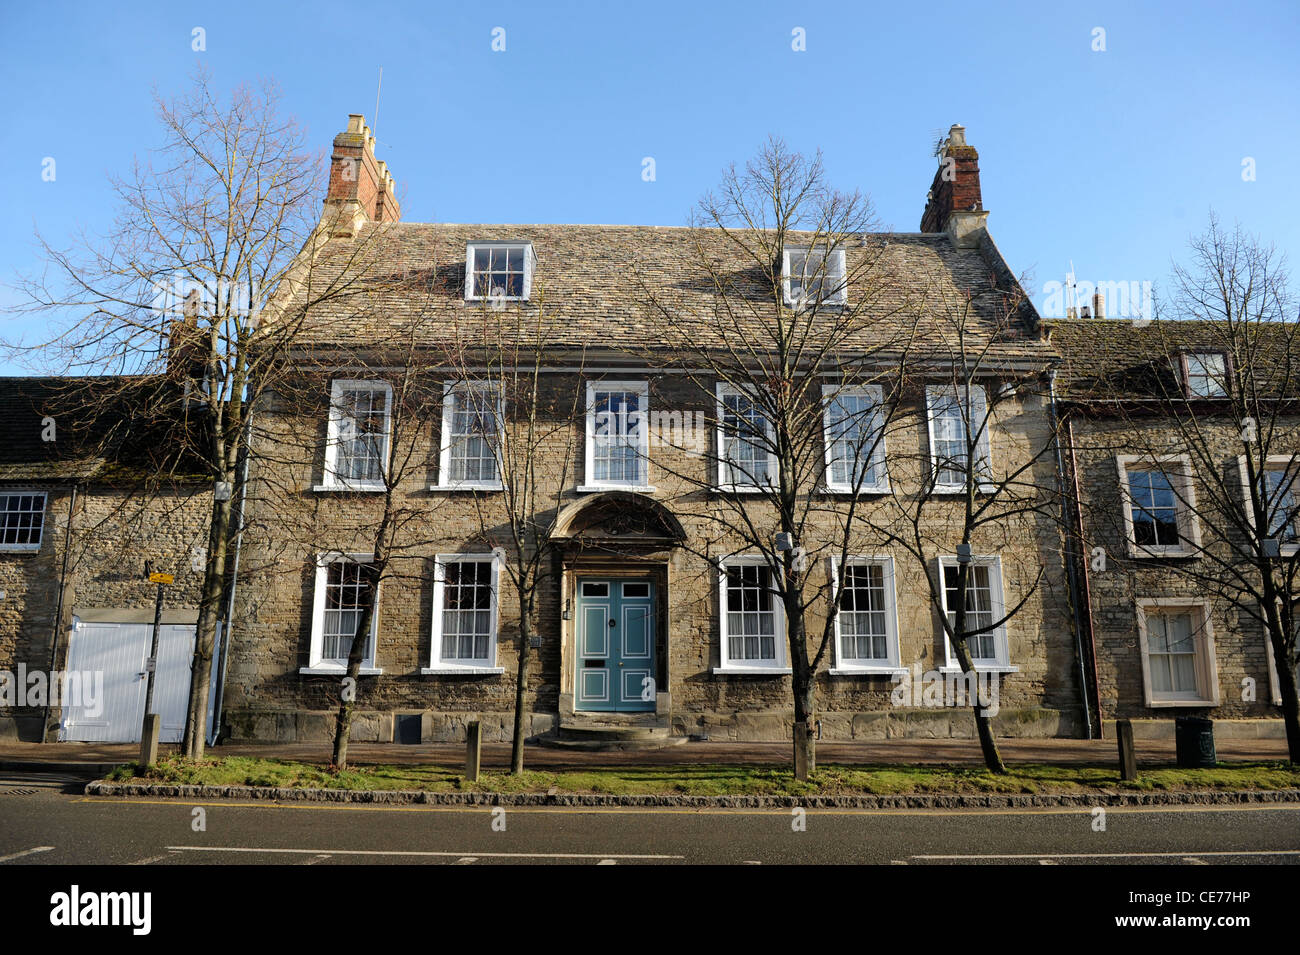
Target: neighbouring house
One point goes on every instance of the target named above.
(1162, 417)
(93, 486)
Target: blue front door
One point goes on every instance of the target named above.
(616, 645)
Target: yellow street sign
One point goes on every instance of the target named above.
(161, 578)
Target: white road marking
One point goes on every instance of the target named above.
(152, 859)
(315, 859)
(1048, 862)
(466, 860)
(413, 852)
(750, 862)
(1117, 855)
(25, 852)
(1194, 861)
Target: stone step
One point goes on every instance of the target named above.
(615, 731)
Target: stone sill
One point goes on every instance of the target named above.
(949, 490)
(751, 671)
(464, 488)
(981, 669)
(1166, 704)
(462, 671)
(598, 488)
(338, 671)
(868, 671)
(347, 489)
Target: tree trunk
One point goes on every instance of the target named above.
(801, 678)
(214, 574)
(349, 685)
(983, 725)
(1287, 689)
(521, 684)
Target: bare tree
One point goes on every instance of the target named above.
(789, 319)
(984, 482)
(206, 278)
(521, 420)
(1203, 411)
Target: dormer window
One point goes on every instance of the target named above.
(499, 271)
(813, 276)
(1205, 374)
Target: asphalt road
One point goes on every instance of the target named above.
(45, 820)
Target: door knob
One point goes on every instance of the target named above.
(613, 622)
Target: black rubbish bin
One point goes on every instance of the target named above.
(1194, 740)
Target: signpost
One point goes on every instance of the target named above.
(152, 727)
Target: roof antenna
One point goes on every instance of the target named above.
(374, 126)
(1070, 302)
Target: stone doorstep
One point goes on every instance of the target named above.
(1223, 729)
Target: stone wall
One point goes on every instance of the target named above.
(268, 698)
(113, 533)
(1240, 642)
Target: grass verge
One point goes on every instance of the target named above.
(713, 780)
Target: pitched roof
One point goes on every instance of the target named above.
(594, 280)
(100, 429)
(1111, 359)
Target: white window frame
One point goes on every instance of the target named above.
(316, 665)
(1189, 527)
(332, 480)
(1206, 663)
(1185, 374)
(450, 389)
(530, 262)
(835, 272)
(45, 507)
(878, 461)
(1273, 462)
(724, 391)
(983, 447)
(891, 664)
(438, 665)
(641, 388)
(778, 665)
(1001, 663)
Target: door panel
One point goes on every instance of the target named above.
(615, 665)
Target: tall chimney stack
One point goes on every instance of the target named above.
(360, 188)
(1098, 305)
(954, 204)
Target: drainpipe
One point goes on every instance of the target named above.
(58, 610)
(223, 645)
(1080, 612)
(1087, 581)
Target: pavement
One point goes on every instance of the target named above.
(101, 757)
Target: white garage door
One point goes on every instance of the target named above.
(119, 652)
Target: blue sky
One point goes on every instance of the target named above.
(1107, 158)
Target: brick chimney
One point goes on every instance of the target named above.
(360, 188)
(954, 204)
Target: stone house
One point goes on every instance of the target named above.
(1158, 431)
(651, 617)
